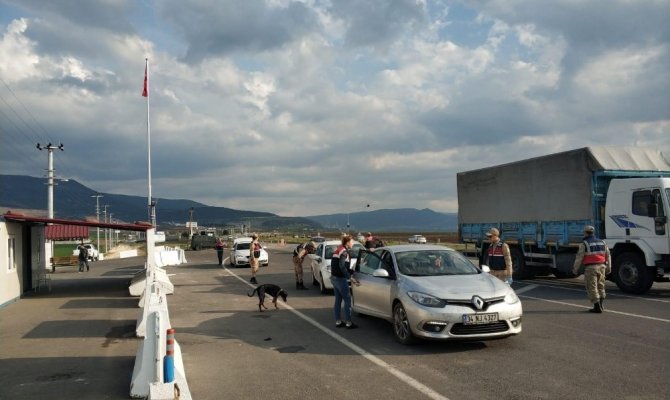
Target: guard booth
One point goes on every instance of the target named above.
(25, 251)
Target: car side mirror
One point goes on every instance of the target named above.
(486, 269)
(380, 273)
(319, 259)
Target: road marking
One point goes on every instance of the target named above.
(525, 289)
(606, 312)
(370, 357)
(565, 286)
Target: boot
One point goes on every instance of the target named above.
(302, 286)
(297, 286)
(596, 308)
(601, 301)
(253, 280)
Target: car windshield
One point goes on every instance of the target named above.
(433, 263)
(353, 252)
(242, 246)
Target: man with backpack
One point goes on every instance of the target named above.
(83, 257)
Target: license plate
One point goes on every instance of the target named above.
(478, 319)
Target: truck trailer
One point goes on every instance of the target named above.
(541, 206)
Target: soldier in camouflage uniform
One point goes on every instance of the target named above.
(595, 256)
(498, 257)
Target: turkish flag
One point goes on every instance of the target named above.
(145, 92)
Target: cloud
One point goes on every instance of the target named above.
(214, 28)
(308, 107)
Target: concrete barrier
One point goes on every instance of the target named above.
(148, 376)
(138, 283)
(157, 302)
(128, 253)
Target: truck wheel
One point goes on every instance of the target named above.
(564, 263)
(520, 271)
(631, 273)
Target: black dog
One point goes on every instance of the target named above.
(268, 288)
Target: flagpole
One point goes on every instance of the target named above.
(151, 210)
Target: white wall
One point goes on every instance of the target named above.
(10, 275)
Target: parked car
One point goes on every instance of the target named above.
(239, 253)
(434, 292)
(318, 239)
(93, 253)
(417, 239)
(319, 262)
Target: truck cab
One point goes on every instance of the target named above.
(637, 231)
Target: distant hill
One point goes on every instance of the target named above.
(73, 200)
(393, 220)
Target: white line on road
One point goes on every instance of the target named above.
(608, 311)
(372, 358)
(525, 289)
(565, 286)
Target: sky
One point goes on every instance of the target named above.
(317, 107)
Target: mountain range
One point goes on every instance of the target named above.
(72, 200)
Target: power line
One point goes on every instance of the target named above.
(26, 109)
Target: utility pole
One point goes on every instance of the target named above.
(97, 217)
(190, 222)
(50, 175)
(111, 233)
(104, 219)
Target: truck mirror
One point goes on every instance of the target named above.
(652, 210)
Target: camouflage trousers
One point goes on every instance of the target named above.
(594, 279)
(500, 274)
(297, 265)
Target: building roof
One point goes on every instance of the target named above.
(66, 232)
(16, 217)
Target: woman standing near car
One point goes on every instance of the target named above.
(219, 250)
(340, 276)
(254, 254)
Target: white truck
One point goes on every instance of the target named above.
(541, 206)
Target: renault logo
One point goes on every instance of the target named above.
(478, 302)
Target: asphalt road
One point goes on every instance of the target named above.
(77, 342)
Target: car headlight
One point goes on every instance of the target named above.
(511, 297)
(426, 299)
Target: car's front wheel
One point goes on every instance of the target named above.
(401, 329)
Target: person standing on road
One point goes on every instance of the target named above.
(219, 250)
(83, 257)
(340, 277)
(594, 255)
(254, 255)
(498, 257)
(299, 254)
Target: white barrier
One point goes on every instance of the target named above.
(139, 282)
(157, 302)
(165, 256)
(128, 253)
(147, 379)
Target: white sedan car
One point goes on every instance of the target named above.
(419, 239)
(239, 253)
(319, 262)
(434, 292)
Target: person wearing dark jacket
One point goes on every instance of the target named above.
(340, 277)
(219, 250)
